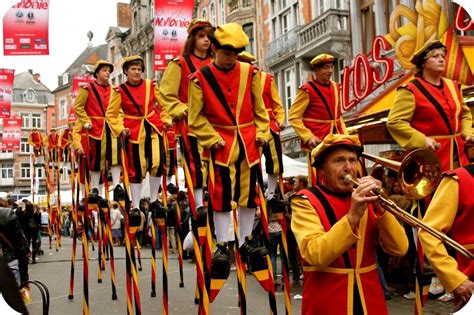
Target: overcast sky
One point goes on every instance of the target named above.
(69, 22)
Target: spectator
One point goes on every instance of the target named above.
(44, 221)
(115, 218)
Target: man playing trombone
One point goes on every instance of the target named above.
(452, 211)
(336, 227)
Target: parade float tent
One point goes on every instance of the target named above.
(291, 168)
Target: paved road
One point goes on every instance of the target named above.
(54, 270)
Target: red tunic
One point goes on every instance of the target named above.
(330, 291)
(53, 141)
(65, 138)
(461, 230)
(148, 109)
(318, 118)
(427, 120)
(268, 101)
(95, 110)
(36, 139)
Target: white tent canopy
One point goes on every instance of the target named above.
(291, 168)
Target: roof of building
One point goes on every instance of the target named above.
(25, 80)
(88, 57)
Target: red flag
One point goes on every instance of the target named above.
(77, 82)
(11, 134)
(6, 86)
(26, 28)
(172, 19)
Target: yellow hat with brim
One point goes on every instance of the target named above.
(101, 63)
(246, 57)
(421, 53)
(129, 59)
(231, 36)
(198, 23)
(333, 140)
(321, 59)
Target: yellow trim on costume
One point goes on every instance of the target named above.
(457, 134)
(347, 271)
(350, 293)
(234, 127)
(469, 246)
(361, 241)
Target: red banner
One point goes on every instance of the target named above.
(11, 134)
(172, 19)
(77, 82)
(25, 28)
(6, 86)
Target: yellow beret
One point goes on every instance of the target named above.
(420, 54)
(198, 23)
(100, 63)
(246, 57)
(231, 35)
(332, 140)
(322, 58)
(131, 58)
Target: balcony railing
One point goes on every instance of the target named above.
(7, 181)
(6, 156)
(283, 45)
(330, 22)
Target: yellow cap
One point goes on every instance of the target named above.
(246, 57)
(130, 59)
(198, 23)
(421, 53)
(101, 63)
(322, 58)
(231, 36)
(332, 140)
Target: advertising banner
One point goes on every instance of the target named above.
(77, 82)
(6, 86)
(25, 28)
(11, 134)
(172, 19)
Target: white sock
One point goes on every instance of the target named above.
(198, 196)
(246, 220)
(95, 180)
(115, 170)
(169, 179)
(272, 184)
(155, 183)
(136, 192)
(222, 224)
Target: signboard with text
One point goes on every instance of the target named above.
(26, 29)
(77, 82)
(11, 134)
(172, 18)
(6, 85)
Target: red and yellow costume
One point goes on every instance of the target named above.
(237, 116)
(174, 88)
(90, 107)
(340, 268)
(145, 118)
(414, 117)
(53, 147)
(451, 211)
(36, 140)
(65, 141)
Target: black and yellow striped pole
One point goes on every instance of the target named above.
(85, 245)
(75, 205)
(108, 229)
(178, 228)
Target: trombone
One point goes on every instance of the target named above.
(419, 174)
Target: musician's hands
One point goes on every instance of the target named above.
(463, 293)
(431, 144)
(218, 145)
(313, 142)
(88, 126)
(469, 139)
(80, 152)
(361, 196)
(281, 126)
(260, 142)
(126, 132)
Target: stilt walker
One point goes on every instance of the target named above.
(178, 223)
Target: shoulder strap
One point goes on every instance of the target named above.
(130, 97)
(433, 101)
(96, 93)
(315, 88)
(331, 215)
(211, 79)
(190, 64)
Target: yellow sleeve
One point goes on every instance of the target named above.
(169, 91)
(392, 237)
(30, 140)
(80, 106)
(77, 136)
(277, 107)
(440, 216)
(114, 114)
(198, 123)
(295, 115)
(261, 119)
(164, 115)
(466, 123)
(318, 247)
(399, 119)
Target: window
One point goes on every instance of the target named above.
(289, 82)
(285, 23)
(204, 13)
(25, 170)
(6, 170)
(220, 11)
(24, 145)
(368, 24)
(25, 120)
(65, 78)
(39, 172)
(62, 109)
(320, 7)
(36, 121)
(29, 96)
(212, 13)
(248, 29)
(246, 3)
(284, 16)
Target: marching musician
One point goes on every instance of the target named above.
(337, 228)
